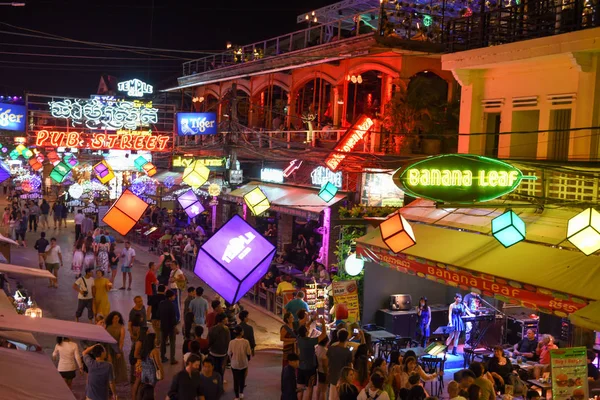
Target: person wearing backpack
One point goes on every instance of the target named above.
(374, 389)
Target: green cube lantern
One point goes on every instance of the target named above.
(508, 229)
(27, 154)
(328, 192)
(60, 172)
(139, 163)
(257, 201)
(14, 154)
(583, 231)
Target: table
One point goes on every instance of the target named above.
(381, 335)
(544, 386)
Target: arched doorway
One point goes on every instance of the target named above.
(314, 97)
(269, 108)
(364, 94)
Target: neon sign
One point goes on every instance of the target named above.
(135, 88)
(106, 115)
(322, 175)
(189, 124)
(99, 141)
(271, 175)
(12, 117)
(348, 142)
(184, 161)
(291, 168)
(459, 178)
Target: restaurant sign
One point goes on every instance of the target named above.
(12, 117)
(102, 141)
(348, 142)
(459, 178)
(186, 160)
(190, 124)
(510, 292)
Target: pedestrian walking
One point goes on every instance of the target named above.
(63, 215)
(152, 370)
(54, 261)
(79, 217)
(150, 282)
(288, 337)
(84, 286)
(289, 387)
(199, 307)
(164, 266)
(127, 258)
(138, 311)
(22, 228)
(338, 357)
(115, 326)
(152, 311)
(101, 375)
(187, 385)
(113, 261)
(307, 372)
(248, 330)
(87, 225)
(168, 326)
(177, 284)
(40, 245)
(102, 286)
(77, 259)
(57, 214)
(102, 257)
(34, 214)
(218, 343)
(239, 353)
(69, 359)
(44, 211)
(212, 382)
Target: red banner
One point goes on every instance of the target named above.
(512, 292)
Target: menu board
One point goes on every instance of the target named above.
(345, 297)
(569, 373)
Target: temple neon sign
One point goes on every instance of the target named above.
(459, 178)
(348, 142)
(135, 88)
(99, 141)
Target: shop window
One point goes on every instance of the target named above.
(558, 137)
(524, 145)
(314, 98)
(363, 95)
(270, 108)
(492, 128)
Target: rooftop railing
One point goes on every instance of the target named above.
(313, 36)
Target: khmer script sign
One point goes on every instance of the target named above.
(105, 115)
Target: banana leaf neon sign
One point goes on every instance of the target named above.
(459, 178)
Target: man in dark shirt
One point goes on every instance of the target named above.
(152, 312)
(593, 374)
(248, 330)
(289, 388)
(527, 346)
(100, 373)
(138, 310)
(40, 246)
(168, 326)
(268, 281)
(339, 357)
(307, 372)
(187, 385)
(218, 342)
(212, 383)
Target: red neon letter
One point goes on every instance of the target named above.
(97, 141)
(151, 143)
(73, 139)
(56, 139)
(126, 142)
(112, 141)
(162, 142)
(138, 142)
(41, 138)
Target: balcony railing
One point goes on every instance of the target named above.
(342, 29)
(528, 20)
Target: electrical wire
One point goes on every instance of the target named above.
(15, 53)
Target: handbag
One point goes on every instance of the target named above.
(159, 374)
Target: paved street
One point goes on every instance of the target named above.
(61, 303)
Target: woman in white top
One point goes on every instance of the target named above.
(239, 353)
(69, 358)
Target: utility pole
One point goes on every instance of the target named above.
(231, 140)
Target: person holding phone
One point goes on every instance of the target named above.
(307, 369)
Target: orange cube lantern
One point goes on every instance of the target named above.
(149, 168)
(53, 158)
(125, 212)
(35, 164)
(397, 233)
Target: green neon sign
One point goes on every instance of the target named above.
(459, 178)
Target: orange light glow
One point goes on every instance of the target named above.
(125, 212)
(348, 142)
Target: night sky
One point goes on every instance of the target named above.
(198, 25)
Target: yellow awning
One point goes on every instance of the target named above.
(588, 317)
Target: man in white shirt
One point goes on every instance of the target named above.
(78, 220)
(85, 297)
(53, 261)
(127, 259)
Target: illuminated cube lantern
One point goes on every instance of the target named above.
(328, 192)
(35, 164)
(53, 158)
(150, 169)
(4, 172)
(14, 154)
(20, 148)
(103, 171)
(60, 172)
(583, 231)
(70, 160)
(257, 201)
(234, 259)
(508, 229)
(27, 154)
(125, 212)
(397, 233)
(190, 203)
(196, 174)
(139, 163)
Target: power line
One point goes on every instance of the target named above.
(86, 57)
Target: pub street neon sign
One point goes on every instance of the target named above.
(135, 88)
(348, 142)
(99, 141)
(459, 178)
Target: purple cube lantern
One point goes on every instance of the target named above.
(190, 203)
(234, 259)
(4, 172)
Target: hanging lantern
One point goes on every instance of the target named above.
(27, 154)
(103, 172)
(60, 172)
(583, 231)
(125, 212)
(328, 192)
(70, 160)
(20, 148)
(76, 190)
(397, 233)
(53, 158)
(190, 203)
(196, 174)
(4, 171)
(139, 163)
(508, 229)
(35, 164)
(354, 265)
(34, 312)
(214, 189)
(14, 154)
(257, 201)
(149, 168)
